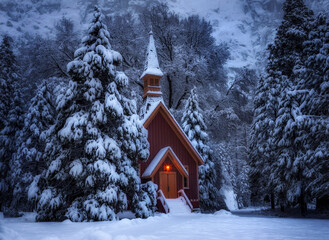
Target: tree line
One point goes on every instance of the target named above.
(290, 141)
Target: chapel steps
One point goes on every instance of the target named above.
(175, 206)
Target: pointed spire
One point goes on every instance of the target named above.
(152, 73)
(152, 63)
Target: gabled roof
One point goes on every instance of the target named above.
(160, 158)
(152, 64)
(159, 107)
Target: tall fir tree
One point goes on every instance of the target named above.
(8, 68)
(261, 149)
(288, 170)
(11, 121)
(92, 156)
(195, 128)
(28, 161)
(256, 147)
(313, 85)
(269, 117)
(288, 43)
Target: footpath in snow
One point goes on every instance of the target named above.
(221, 225)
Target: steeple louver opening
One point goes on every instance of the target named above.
(152, 72)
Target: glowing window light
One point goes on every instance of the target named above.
(167, 168)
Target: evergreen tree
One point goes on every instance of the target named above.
(288, 43)
(92, 156)
(29, 158)
(261, 149)
(274, 105)
(7, 72)
(11, 121)
(288, 171)
(313, 86)
(195, 129)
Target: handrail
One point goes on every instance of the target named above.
(187, 201)
(163, 201)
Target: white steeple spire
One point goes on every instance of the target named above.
(152, 63)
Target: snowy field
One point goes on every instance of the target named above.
(221, 225)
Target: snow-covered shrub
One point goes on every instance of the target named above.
(145, 200)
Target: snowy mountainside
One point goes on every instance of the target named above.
(231, 25)
(247, 26)
(29, 16)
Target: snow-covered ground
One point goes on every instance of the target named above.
(221, 225)
(229, 198)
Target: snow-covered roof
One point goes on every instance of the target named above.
(152, 106)
(152, 63)
(154, 92)
(157, 159)
(150, 109)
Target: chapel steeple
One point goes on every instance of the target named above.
(152, 72)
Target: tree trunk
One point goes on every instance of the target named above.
(170, 91)
(322, 203)
(272, 201)
(302, 203)
(180, 100)
(282, 208)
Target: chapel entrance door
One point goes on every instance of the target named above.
(168, 184)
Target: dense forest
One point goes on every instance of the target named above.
(265, 132)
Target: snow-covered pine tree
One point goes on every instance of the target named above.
(261, 149)
(11, 121)
(92, 156)
(29, 161)
(7, 68)
(242, 188)
(288, 43)
(284, 54)
(289, 171)
(223, 164)
(195, 128)
(313, 85)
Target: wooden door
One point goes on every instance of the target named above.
(163, 183)
(172, 185)
(168, 184)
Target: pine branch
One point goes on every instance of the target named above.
(59, 67)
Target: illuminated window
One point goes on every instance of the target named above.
(167, 168)
(186, 179)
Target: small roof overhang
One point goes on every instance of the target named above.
(160, 158)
